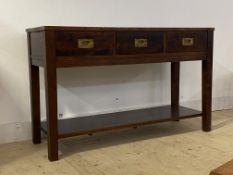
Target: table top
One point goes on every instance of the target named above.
(43, 28)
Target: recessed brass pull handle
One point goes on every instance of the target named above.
(187, 41)
(139, 43)
(85, 43)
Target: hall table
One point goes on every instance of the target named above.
(53, 47)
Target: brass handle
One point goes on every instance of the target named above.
(140, 43)
(85, 43)
(187, 41)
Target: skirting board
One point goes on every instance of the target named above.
(15, 132)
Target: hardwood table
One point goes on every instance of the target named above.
(53, 47)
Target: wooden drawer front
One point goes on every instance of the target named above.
(84, 43)
(186, 41)
(139, 42)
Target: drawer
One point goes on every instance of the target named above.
(84, 43)
(186, 41)
(139, 42)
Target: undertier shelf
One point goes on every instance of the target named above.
(96, 123)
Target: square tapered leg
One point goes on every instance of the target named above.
(175, 88)
(35, 103)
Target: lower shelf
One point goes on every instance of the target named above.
(103, 122)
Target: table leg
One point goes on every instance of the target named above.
(207, 69)
(175, 88)
(34, 82)
(206, 94)
(51, 109)
(35, 103)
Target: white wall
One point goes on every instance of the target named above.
(100, 89)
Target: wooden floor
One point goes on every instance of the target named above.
(173, 148)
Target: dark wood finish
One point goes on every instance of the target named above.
(175, 87)
(127, 29)
(67, 43)
(53, 47)
(35, 97)
(129, 59)
(174, 41)
(225, 169)
(207, 69)
(51, 96)
(133, 118)
(125, 42)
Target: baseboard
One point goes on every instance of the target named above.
(14, 132)
(218, 103)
